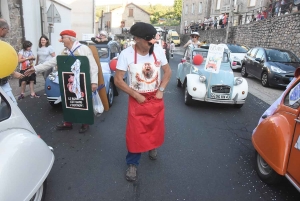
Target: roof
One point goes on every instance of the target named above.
(133, 5)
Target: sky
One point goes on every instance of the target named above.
(137, 2)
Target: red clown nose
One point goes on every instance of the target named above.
(198, 59)
(113, 64)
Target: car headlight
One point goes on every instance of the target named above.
(277, 70)
(202, 78)
(238, 81)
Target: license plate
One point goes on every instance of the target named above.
(219, 96)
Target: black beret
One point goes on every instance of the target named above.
(143, 30)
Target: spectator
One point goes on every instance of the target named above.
(277, 7)
(264, 14)
(101, 38)
(215, 23)
(26, 58)
(172, 49)
(221, 20)
(225, 20)
(258, 16)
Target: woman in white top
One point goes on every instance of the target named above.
(44, 53)
(194, 40)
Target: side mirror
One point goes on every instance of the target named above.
(258, 59)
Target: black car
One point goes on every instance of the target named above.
(273, 66)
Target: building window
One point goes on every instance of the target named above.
(130, 12)
(218, 6)
(200, 7)
(252, 3)
(193, 6)
(186, 9)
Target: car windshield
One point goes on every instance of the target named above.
(281, 56)
(175, 37)
(237, 49)
(103, 52)
(205, 53)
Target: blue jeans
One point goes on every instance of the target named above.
(133, 158)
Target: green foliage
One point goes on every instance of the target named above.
(177, 8)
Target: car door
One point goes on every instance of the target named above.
(294, 162)
(250, 61)
(258, 64)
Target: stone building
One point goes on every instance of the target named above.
(194, 12)
(123, 17)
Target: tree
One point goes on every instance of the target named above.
(177, 9)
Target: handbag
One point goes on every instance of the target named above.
(97, 104)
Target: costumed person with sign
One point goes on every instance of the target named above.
(145, 122)
(194, 40)
(72, 47)
(6, 55)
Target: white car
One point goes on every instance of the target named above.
(25, 159)
(236, 54)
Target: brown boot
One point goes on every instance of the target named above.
(153, 154)
(64, 126)
(131, 173)
(84, 128)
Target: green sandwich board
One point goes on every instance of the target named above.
(75, 110)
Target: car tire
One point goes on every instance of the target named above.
(41, 193)
(54, 105)
(238, 106)
(187, 97)
(265, 172)
(244, 71)
(265, 79)
(110, 94)
(179, 83)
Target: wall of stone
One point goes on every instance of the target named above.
(15, 36)
(280, 32)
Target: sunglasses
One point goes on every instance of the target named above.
(102, 35)
(194, 36)
(148, 38)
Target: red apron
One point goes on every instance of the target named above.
(145, 123)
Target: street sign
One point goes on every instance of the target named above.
(53, 15)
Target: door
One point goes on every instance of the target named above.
(250, 60)
(258, 65)
(293, 169)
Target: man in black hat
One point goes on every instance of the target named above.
(145, 123)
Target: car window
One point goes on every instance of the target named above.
(103, 52)
(253, 52)
(237, 49)
(292, 99)
(175, 37)
(281, 56)
(259, 54)
(5, 109)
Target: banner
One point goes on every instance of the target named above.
(214, 58)
(75, 88)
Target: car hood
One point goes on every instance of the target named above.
(288, 67)
(224, 77)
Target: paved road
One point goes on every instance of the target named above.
(207, 154)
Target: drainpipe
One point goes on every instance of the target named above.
(22, 20)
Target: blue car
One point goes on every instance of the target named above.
(106, 53)
(201, 85)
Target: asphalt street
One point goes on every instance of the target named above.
(207, 154)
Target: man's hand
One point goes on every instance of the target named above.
(159, 94)
(94, 87)
(17, 75)
(140, 98)
(29, 71)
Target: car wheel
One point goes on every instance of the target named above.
(110, 94)
(265, 172)
(238, 105)
(264, 79)
(41, 193)
(187, 97)
(54, 105)
(243, 71)
(178, 83)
